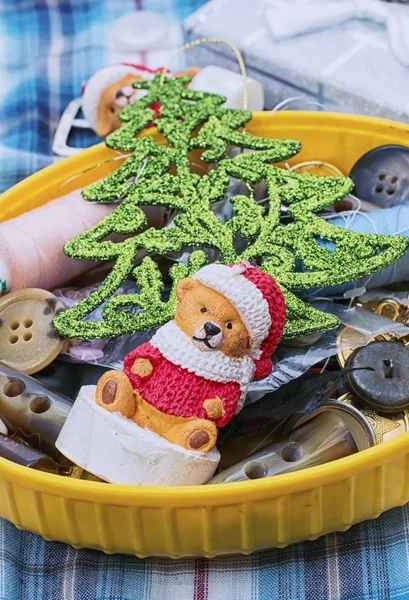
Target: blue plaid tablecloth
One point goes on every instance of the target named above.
(47, 49)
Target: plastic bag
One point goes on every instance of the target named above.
(291, 362)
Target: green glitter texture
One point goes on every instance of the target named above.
(160, 175)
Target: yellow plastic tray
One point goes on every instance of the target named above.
(223, 519)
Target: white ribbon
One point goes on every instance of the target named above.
(291, 19)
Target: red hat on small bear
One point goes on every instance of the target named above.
(260, 302)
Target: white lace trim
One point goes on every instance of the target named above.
(178, 348)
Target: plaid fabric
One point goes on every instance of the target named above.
(47, 49)
(368, 562)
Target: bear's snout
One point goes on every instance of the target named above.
(208, 336)
(211, 329)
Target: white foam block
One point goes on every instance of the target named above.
(221, 81)
(119, 451)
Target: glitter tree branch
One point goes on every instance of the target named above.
(160, 175)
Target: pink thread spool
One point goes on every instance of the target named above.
(31, 245)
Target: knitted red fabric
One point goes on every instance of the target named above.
(175, 391)
(178, 391)
(275, 300)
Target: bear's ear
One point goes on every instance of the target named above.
(185, 285)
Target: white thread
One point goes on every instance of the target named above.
(325, 298)
(325, 365)
(283, 103)
(401, 231)
(121, 156)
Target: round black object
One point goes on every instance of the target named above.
(381, 176)
(386, 387)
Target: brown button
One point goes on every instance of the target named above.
(28, 342)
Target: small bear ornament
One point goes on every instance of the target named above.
(176, 391)
(111, 89)
(192, 377)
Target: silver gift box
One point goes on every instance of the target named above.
(346, 68)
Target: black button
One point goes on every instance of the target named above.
(381, 176)
(384, 388)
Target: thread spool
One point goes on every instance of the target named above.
(389, 221)
(31, 245)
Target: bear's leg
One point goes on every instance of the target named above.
(196, 434)
(114, 393)
(190, 433)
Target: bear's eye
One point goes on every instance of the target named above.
(229, 325)
(203, 309)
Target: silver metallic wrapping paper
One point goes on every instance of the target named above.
(346, 68)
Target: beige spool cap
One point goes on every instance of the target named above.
(28, 342)
(384, 426)
(317, 167)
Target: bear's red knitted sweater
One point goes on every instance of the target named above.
(183, 376)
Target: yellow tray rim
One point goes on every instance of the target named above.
(210, 494)
(280, 485)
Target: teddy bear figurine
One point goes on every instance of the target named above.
(192, 377)
(189, 380)
(110, 90)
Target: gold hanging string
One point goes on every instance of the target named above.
(212, 41)
(162, 78)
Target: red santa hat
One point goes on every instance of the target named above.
(260, 302)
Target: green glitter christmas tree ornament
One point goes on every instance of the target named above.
(160, 175)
